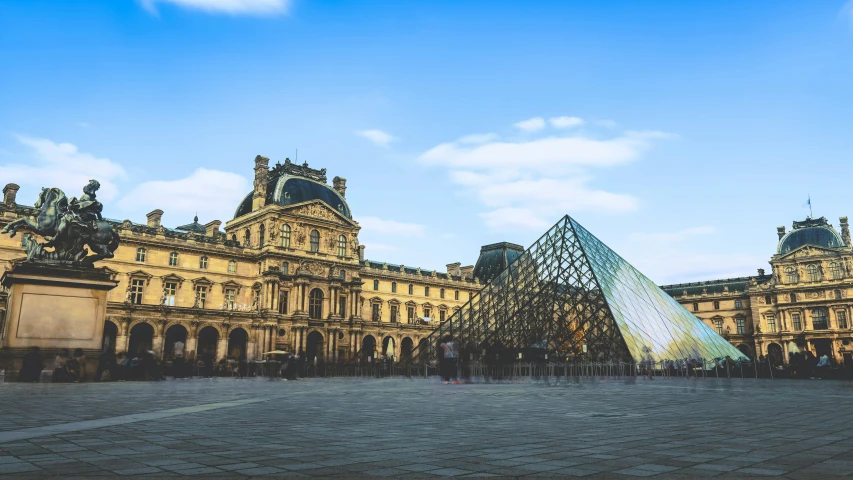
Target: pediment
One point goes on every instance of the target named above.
(319, 210)
(141, 274)
(202, 281)
(808, 251)
(172, 278)
(231, 284)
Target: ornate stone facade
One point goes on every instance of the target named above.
(287, 273)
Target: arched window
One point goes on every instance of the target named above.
(233, 237)
(232, 266)
(793, 298)
(315, 241)
(393, 287)
(791, 275)
(768, 300)
(140, 254)
(819, 319)
(202, 263)
(173, 259)
(342, 246)
(835, 270)
(285, 235)
(315, 303)
(261, 232)
(247, 238)
(814, 275)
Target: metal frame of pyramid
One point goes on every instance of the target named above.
(571, 295)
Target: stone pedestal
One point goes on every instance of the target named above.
(54, 307)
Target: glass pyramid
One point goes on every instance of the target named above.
(572, 295)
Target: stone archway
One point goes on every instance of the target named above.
(238, 340)
(141, 339)
(389, 346)
(406, 346)
(368, 346)
(208, 337)
(745, 349)
(110, 335)
(774, 353)
(314, 347)
(175, 333)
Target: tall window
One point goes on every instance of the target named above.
(791, 275)
(793, 298)
(442, 315)
(261, 234)
(695, 307)
(232, 266)
(718, 325)
(285, 268)
(173, 259)
(814, 275)
(456, 295)
(315, 303)
(841, 315)
(393, 313)
(374, 312)
(393, 287)
(342, 246)
(230, 298)
(741, 325)
(247, 238)
(819, 319)
(234, 237)
(342, 307)
(285, 235)
(137, 286)
(201, 294)
(426, 291)
(795, 320)
(738, 304)
(260, 268)
(283, 297)
(441, 293)
(837, 294)
(202, 263)
(411, 289)
(140, 254)
(315, 241)
(716, 305)
(376, 284)
(771, 324)
(169, 290)
(768, 300)
(410, 314)
(835, 270)
(427, 312)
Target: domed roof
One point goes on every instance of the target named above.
(494, 259)
(286, 189)
(817, 232)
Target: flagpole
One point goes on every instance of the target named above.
(811, 214)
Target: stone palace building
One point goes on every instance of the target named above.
(287, 273)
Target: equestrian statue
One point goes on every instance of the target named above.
(68, 226)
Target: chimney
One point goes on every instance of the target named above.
(361, 253)
(259, 197)
(845, 231)
(154, 218)
(780, 231)
(760, 272)
(467, 272)
(212, 228)
(454, 269)
(10, 192)
(340, 185)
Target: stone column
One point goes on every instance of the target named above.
(222, 347)
(192, 339)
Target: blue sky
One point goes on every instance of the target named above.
(680, 133)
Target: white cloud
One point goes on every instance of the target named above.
(478, 138)
(606, 123)
(529, 183)
(210, 193)
(231, 7)
(64, 166)
(674, 266)
(374, 225)
(378, 137)
(565, 122)
(670, 237)
(531, 125)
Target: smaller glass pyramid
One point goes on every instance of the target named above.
(572, 295)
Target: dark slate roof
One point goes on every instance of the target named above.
(712, 287)
(193, 227)
(817, 232)
(290, 190)
(412, 271)
(494, 259)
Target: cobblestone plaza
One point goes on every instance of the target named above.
(238, 428)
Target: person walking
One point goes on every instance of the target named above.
(449, 348)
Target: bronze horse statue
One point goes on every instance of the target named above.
(68, 227)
